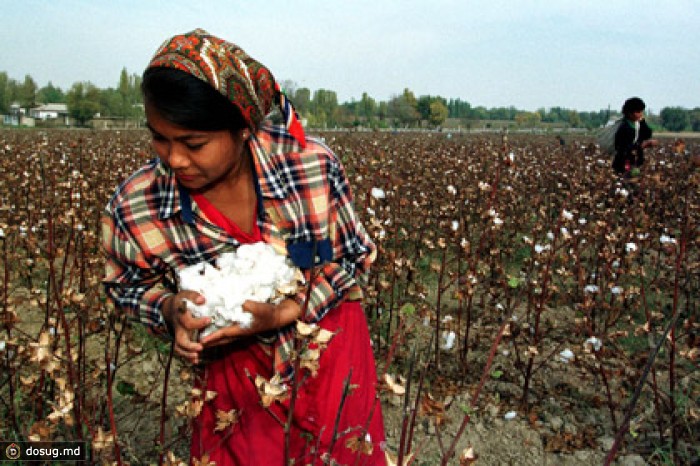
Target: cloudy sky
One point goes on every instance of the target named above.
(583, 55)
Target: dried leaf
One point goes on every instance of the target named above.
(272, 390)
(360, 444)
(392, 460)
(102, 440)
(432, 408)
(203, 461)
(224, 419)
(396, 388)
(468, 457)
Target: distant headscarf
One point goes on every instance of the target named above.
(245, 82)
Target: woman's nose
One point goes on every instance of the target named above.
(177, 157)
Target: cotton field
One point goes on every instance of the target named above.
(520, 289)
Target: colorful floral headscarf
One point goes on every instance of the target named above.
(246, 83)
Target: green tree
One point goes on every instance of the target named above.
(112, 103)
(695, 119)
(459, 109)
(323, 106)
(404, 109)
(383, 111)
(5, 100)
(27, 93)
(528, 119)
(50, 94)
(368, 107)
(574, 119)
(302, 101)
(83, 100)
(423, 106)
(438, 113)
(674, 118)
(125, 105)
(129, 93)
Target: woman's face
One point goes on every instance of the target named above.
(201, 160)
(637, 116)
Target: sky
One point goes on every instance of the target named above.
(585, 55)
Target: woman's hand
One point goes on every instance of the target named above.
(265, 317)
(185, 325)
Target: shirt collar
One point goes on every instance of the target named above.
(269, 183)
(166, 191)
(268, 148)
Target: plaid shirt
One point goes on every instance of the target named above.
(151, 228)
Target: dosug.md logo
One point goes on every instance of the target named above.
(12, 452)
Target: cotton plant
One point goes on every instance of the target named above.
(254, 272)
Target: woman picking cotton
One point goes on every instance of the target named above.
(632, 137)
(224, 178)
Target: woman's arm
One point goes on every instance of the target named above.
(352, 252)
(139, 290)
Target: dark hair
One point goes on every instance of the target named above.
(187, 101)
(632, 105)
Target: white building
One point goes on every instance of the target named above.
(50, 112)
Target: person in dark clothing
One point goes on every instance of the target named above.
(631, 138)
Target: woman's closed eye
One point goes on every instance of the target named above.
(195, 146)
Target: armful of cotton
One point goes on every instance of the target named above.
(254, 272)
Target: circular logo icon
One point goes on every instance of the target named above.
(12, 451)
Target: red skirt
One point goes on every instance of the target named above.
(353, 434)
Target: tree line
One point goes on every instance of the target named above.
(321, 108)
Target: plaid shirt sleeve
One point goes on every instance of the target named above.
(135, 277)
(343, 276)
(135, 290)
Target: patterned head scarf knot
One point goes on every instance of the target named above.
(245, 82)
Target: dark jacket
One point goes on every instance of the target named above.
(627, 149)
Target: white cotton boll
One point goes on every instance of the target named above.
(254, 272)
(567, 215)
(630, 247)
(378, 193)
(2, 345)
(452, 190)
(616, 290)
(667, 239)
(455, 225)
(510, 415)
(593, 343)
(591, 288)
(566, 356)
(448, 340)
